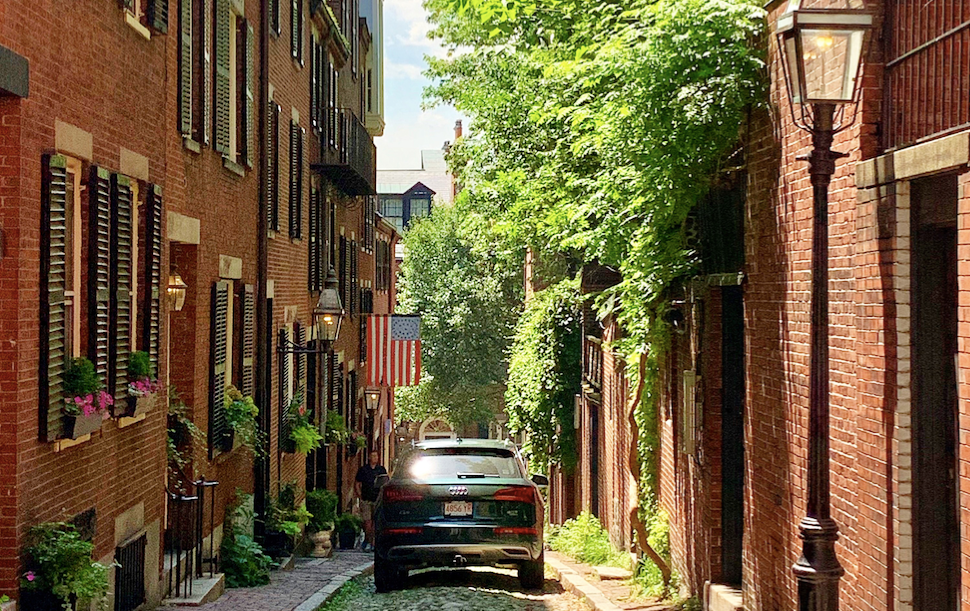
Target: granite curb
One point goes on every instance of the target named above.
(327, 592)
(575, 584)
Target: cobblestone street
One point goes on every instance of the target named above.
(458, 590)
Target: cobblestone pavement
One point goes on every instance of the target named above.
(461, 590)
(287, 588)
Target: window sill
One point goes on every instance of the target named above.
(271, 233)
(296, 240)
(137, 26)
(125, 421)
(191, 145)
(234, 167)
(63, 444)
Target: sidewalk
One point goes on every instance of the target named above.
(288, 590)
(609, 595)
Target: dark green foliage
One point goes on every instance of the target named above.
(545, 374)
(59, 562)
(140, 366)
(244, 562)
(323, 505)
(346, 522)
(80, 378)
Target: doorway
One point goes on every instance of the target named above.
(732, 434)
(936, 532)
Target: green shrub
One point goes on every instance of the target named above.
(348, 521)
(60, 563)
(80, 378)
(647, 575)
(584, 539)
(244, 562)
(140, 366)
(323, 505)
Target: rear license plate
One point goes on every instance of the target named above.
(458, 508)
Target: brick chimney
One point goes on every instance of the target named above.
(458, 130)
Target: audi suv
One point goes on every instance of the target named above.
(457, 503)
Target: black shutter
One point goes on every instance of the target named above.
(248, 373)
(363, 339)
(153, 272)
(296, 30)
(300, 137)
(342, 275)
(286, 418)
(300, 333)
(53, 284)
(294, 170)
(219, 431)
(122, 267)
(313, 237)
(249, 105)
(331, 102)
(314, 98)
(185, 67)
(337, 390)
(99, 270)
(274, 16)
(222, 92)
(354, 290)
(273, 169)
(156, 12)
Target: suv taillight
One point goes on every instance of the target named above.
(401, 494)
(522, 494)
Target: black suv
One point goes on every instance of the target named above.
(457, 503)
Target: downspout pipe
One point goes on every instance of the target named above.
(261, 466)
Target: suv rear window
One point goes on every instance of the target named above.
(461, 463)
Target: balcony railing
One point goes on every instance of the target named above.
(351, 163)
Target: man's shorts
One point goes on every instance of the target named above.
(366, 510)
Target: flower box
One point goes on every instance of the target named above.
(81, 425)
(138, 405)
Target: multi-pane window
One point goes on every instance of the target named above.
(297, 27)
(420, 207)
(392, 207)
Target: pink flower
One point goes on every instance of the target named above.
(30, 575)
(302, 410)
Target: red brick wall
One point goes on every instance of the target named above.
(107, 80)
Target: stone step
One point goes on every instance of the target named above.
(204, 590)
(612, 572)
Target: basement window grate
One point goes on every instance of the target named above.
(130, 575)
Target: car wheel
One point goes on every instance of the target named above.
(532, 573)
(385, 575)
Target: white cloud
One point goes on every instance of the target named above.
(394, 70)
(402, 143)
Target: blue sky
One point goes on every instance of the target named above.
(409, 129)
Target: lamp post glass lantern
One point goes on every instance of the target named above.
(176, 291)
(821, 54)
(372, 398)
(329, 312)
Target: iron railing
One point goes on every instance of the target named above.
(351, 163)
(185, 537)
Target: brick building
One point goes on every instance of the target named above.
(160, 144)
(736, 389)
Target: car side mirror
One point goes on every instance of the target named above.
(381, 480)
(540, 480)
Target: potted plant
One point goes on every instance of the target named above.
(355, 443)
(142, 384)
(241, 413)
(323, 505)
(61, 574)
(88, 403)
(304, 434)
(336, 428)
(285, 522)
(348, 527)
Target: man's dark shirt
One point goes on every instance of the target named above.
(367, 476)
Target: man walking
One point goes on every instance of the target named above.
(367, 491)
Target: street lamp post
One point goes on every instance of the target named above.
(822, 52)
(326, 318)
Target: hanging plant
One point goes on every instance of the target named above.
(241, 413)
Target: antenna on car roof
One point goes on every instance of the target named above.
(458, 439)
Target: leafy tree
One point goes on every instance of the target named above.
(467, 286)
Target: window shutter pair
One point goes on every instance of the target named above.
(153, 272)
(53, 284)
(296, 181)
(219, 432)
(286, 418)
(122, 269)
(222, 92)
(342, 276)
(354, 290)
(156, 12)
(99, 272)
(248, 371)
(315, 250)
(185, 67)
(273, 170)
(249, 104)
(300, 332)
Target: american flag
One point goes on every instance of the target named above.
(393, 350)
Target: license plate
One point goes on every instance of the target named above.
(458, 508)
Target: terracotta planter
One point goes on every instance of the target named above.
(79, 426)
(322, 545)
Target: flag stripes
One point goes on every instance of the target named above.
(393, 350)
